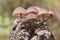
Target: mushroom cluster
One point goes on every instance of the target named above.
(35, 29)
(32, 12)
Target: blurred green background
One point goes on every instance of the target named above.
(7, 7)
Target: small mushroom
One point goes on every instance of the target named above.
(23, 20)
(45, 13)
(42, 12)
(31, 16)
(19, 11)
(32, 9)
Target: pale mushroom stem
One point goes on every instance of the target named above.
(43, 18)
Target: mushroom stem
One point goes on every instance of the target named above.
(21, 16)
(43, 19)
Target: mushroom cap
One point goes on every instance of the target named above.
(51, 13)
(31, 16)
(32, 9)
(18, 11)
(23, 20)
(44, 12)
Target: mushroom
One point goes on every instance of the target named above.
(44, 13)
(32, 9)
(19, 12)
(31, 17)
